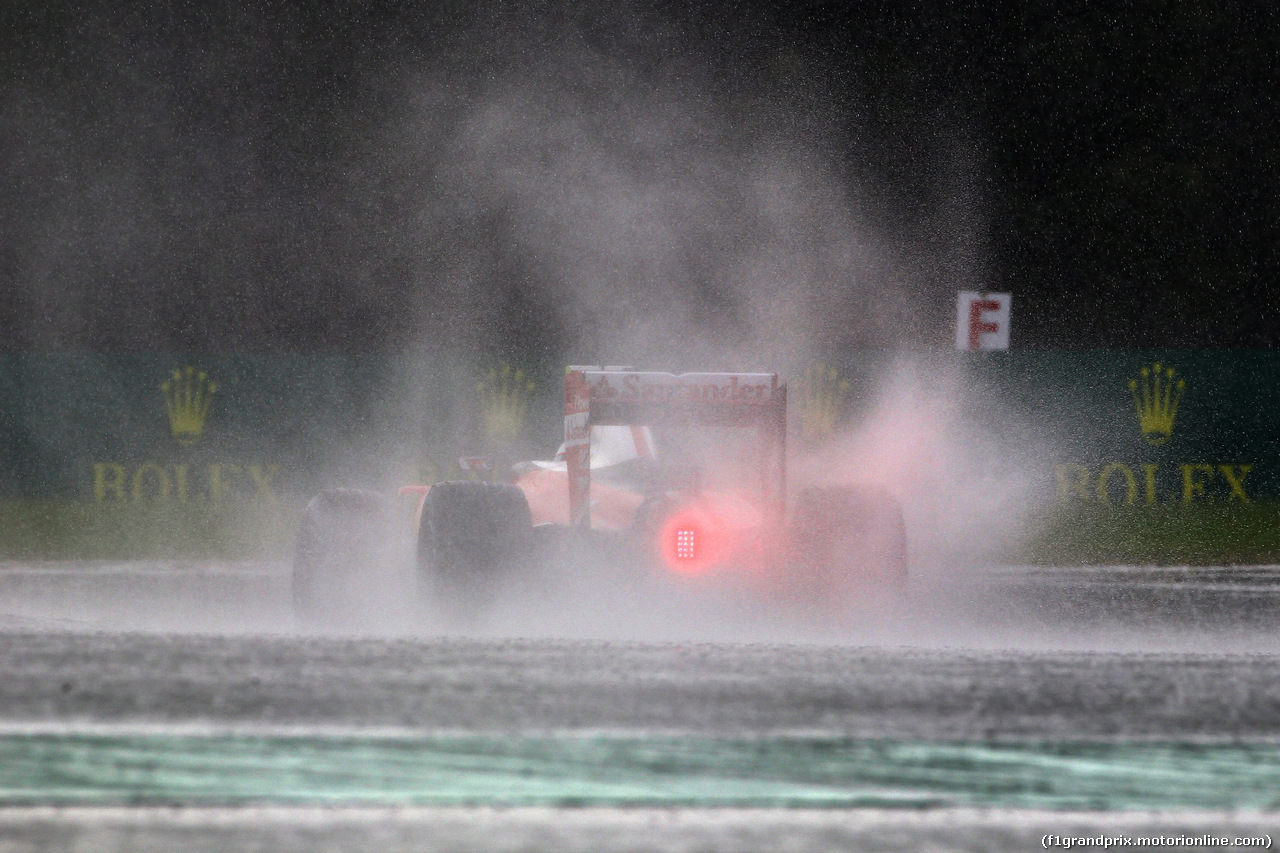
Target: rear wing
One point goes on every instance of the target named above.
(633, 398)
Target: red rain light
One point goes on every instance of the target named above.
(686, 543)
(692, 541)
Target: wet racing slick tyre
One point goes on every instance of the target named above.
(339, 550)
(646, 528)
(848, 548)
(473, 537)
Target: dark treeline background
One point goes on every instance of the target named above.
(180, 179)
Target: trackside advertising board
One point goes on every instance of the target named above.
(1144, 428)
(221, 429)
(1118, 428)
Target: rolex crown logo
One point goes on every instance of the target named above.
(187, 395)
(1155, 396)
(822, 393)
(504, 401)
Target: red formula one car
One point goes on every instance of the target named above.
(685, 473)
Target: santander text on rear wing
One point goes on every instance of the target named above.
(634, 398)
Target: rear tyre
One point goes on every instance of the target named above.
(341, 542)
(473, 537)
(646, 527)
(848, 546)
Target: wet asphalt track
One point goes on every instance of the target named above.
(176, 707)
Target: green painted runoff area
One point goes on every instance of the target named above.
(653, 771)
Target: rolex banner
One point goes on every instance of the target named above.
(1144, 428)
(1120, 427)
(217, 430)
(123, 437)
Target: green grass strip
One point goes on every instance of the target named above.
(1196, 534)
(111, 530)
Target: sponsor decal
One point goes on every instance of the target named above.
(188, 393)
(182, 482)
(1155, 398)
(688, 388)
(819, 402)
(504, 401)
(1155, 392)
(1151, 483)
(577, 405)
(577, 445)
(576, 430)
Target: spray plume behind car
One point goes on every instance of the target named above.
(473, 537)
